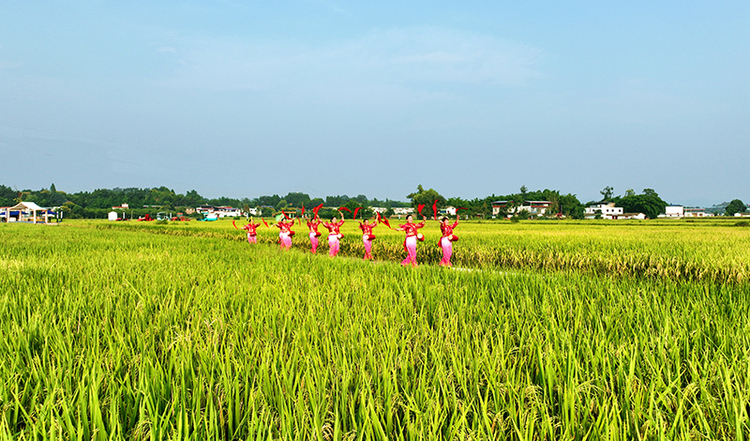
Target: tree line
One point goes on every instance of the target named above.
(97, 203)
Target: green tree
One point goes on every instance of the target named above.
(607, 193)
(736, 206)
(648, 203)
(426, 197)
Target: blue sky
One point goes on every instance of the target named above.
(331, 97)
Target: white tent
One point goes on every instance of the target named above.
(30, 207)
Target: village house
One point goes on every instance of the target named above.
(399, 211)
(218, 212)
(695, 212)
(674, 211)
(534, 208)
(604, 210)
(448, 211)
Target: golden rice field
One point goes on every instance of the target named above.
(549, 330)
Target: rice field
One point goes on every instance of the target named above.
(151, 332)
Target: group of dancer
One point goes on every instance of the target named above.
(334, 234)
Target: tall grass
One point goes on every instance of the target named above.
(111, 334)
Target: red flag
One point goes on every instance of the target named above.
(355, 211)
(282, 212)
(434, 208)
(316, 209)
(420, 207)
(264, 223)
(344, 208)
(303, 211)
(385, 221)
(235, 225)
(377, 220)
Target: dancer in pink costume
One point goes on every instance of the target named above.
(334, 235)
(367, 237)
(446, 241)
(312, 225)
(252, 233)
(285, 234)
(410, 243)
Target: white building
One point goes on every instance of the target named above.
(380, 210)
(607, 211)
(695, 212)
(403, 210)
(450, 211)
(535, 208)
(218, 212)
(674, 211)
(638, 216)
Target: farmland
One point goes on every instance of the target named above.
(553, 330)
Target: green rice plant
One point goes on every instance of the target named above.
(120, 333)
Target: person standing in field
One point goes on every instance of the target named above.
(410, 243)
(285, 234)
(447, 239)
(251, 229)
(312, 225)
(367, 236)
(334, 235)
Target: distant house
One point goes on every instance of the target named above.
(535, 208)
(380, 210)
(403, 210)
(639, 216)
(121, 207)
(449, 211)
(605, 210)
(695, 212)
(211, 211)
(674, 211)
